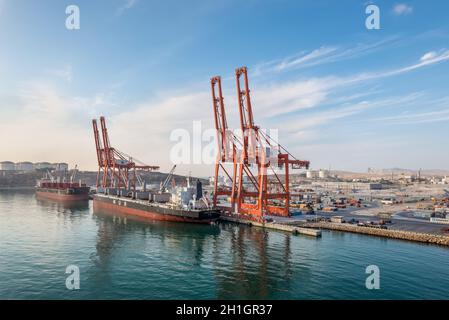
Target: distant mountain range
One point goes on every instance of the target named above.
(15, 179)
(394, 171)
(424, 172)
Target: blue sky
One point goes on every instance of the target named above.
(339, 94)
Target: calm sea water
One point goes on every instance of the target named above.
(125, 259)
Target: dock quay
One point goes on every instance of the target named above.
(275, 226)
(387, 233)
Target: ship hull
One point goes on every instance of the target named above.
(62, 195)
(123, 206)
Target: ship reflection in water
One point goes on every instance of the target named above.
(70, 209)
(62, 206)
(124, 258)
(244, 248)
(252, 275)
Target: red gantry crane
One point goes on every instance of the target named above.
(264, 192)
(227, 151)
(114, 166)
(268, 193)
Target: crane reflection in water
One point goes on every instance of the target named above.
(205, 251)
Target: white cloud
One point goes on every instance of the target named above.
(436, 115)
(47, 123)
(426, 60)
(305, 58)
(128, 4)
(288, 97)
(48, 126)
(63, 73)
(322, 55)
(320, 118)
(281, 98)
(402, 9)
(428, 56)
(145, 131)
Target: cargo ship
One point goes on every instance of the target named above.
(184, 204)
(53, 189)
(121, 190)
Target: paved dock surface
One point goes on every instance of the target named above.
(276, 226)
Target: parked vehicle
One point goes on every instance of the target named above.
(388, 201)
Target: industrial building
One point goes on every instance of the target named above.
(340, 185)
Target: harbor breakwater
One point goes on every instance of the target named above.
(388, 233)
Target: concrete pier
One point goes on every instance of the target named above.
(275, 226)
(387, 233)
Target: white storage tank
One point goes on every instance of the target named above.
(24, 166)
(311, 174)
(323, 174)
(7, 166)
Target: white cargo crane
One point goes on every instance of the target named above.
(49, 176)
(73, 176)
(167, 180)
(142, 183)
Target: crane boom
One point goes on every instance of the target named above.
(257, 194)
(114, 164)
(227, 151)
(167, 180)
(100, 151)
